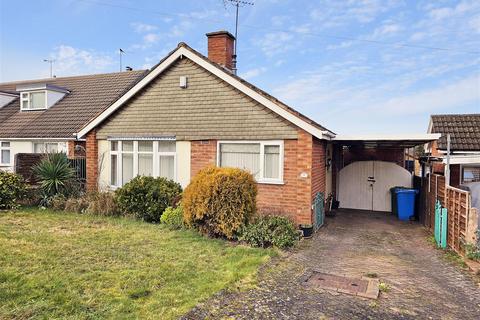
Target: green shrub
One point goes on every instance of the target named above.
(54, 174)
(219, 201)
(12, 190)
(147, 197)
(269, 231)
(102, 203)
(473, 250)
(173, 217)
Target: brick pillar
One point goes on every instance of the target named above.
(92, 161)
(304, 183)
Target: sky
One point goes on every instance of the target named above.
(356, 67)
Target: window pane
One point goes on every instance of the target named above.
(145, 164)
(25, 104)
(37, 100)
(5, 156)
(5, 144)
(113, 170)
(38, 147)
(127, 167)
(114, 145)
(51, 147)
(167, 167)
(272, 162)
(166, 146)
(145, 146)
(241, 155)
(127, 145)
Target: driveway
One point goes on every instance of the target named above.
(422, 283)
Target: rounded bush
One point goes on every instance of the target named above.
(173, 217)
(269, 231)
(12, 189)
(147, 197)
(219, 201)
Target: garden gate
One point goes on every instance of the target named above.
(319, 210)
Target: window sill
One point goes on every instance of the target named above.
(270, 182)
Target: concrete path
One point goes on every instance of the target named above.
(422, 283)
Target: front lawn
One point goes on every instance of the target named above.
(58, 265)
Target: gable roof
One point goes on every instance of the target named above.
(88, 96)
(464, 130)
(250, 90)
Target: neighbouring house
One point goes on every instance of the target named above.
(464, 131)
(190, 111)
(45, 115)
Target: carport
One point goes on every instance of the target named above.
(366, 167)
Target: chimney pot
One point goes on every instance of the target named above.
(220, 48)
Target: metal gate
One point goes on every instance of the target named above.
(319, 210)
(440, 230)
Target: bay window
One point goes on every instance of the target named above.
(4, 152)
(143, 157)
(264, 159)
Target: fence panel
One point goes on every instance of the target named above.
(458, 206)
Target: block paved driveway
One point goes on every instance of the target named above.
(423, 284)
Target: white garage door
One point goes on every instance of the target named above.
(366, 184)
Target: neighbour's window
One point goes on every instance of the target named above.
(148, 158)
(49, 147)
(471, 174)
(4, 152)
(263, 159)
(35, 100)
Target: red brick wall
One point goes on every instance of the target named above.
(294, 197)
(220, 49)
(318, 167)
(438, 167)
(455, 175)
(202, 154)
(72, 152)
(380, 154)
(92, 161)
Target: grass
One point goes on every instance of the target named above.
(454, 258)
(69, 266)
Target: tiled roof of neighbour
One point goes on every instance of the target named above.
(89, 96)
(464, 130)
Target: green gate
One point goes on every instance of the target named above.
(440, 230)
(319, 210)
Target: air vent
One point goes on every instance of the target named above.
(183, 82)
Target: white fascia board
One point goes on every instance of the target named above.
(41, 139)
(181, 51)
(463, 159)
(390, 137)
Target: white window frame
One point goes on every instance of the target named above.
(29, 100)
(60, 148)
(262, 144)
(9, 148)
(156, 159)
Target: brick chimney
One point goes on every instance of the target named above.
(220, 48)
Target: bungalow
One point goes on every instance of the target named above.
(190, 111)
(464, 131)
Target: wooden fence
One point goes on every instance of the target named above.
(458, 204)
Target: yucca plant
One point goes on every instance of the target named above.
(54, 173)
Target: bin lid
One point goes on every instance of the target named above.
(406, 191)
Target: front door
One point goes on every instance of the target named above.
(366, 185)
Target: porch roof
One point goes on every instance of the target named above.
(386, 141)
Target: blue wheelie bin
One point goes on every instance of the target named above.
(405, 203)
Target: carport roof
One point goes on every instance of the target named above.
(386, 141)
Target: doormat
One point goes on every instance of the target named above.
(364, 287)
